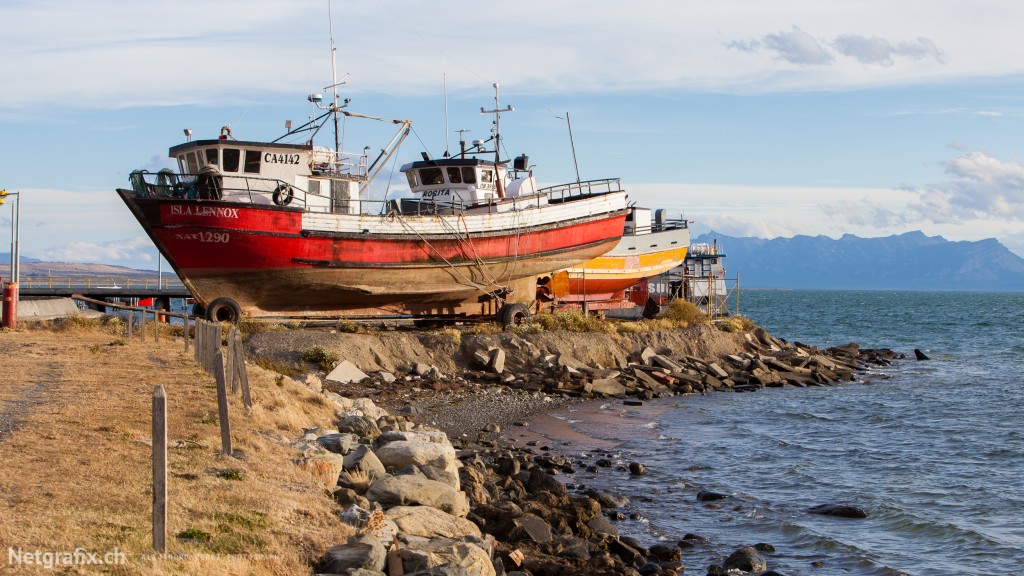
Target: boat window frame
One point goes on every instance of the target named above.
(247, 163)
(432, 171)
(314, 187)
(216, 156)
(454, 175)
(468, 175)
(487, 178)
(193, 163)
(411, 175)
(231, 159)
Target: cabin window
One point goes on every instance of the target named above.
(454, 175)
(411, 175)
(431, 176)
(211, 156)
(487, 178)
(469, 175)
(181, 164)
(193, 163)
(314, 187)
(231, 158)
(252, 161)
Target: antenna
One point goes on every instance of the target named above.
(497, 135)
(444, 76)
(334, 77)
(573, 144)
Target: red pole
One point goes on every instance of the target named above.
(10, 307)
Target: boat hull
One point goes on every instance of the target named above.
(274, 260)
(633, 259)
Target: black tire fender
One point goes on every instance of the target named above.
(513, 314)
(283, 195)
(224, 310)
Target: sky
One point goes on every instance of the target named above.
(750, 118)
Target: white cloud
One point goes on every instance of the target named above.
(138, 251)
(978, 186)
(798, 47)
(876, 50)
(112, 53)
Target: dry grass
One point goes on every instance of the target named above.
(76, 469)
(684, 313)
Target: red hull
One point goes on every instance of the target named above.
(262, 257)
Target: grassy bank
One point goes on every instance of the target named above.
(75, 410)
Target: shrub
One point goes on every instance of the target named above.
(573, 321)
(257, 326)
(684, 313)
(347, 326)
(321, 357)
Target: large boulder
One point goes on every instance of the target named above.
(368, 408)
(430, 522)
(840, 510)
(746, 559)
(364, 552)
(470, 557)
(403, 453)
(345, 373)
(361, 460)
(338, 443)
(324, 466)
(362, 426)
(418, 490)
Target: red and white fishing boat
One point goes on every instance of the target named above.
(286, 230)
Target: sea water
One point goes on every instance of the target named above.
(932, 450)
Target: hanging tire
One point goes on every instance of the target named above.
(513, 314)
(224, 310)
(283, 195)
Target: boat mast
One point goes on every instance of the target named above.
(334, 80)
(497, 135)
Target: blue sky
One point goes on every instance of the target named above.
(748, 117)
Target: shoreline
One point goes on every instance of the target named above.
(535, 427)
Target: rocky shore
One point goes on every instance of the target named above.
(429, 476)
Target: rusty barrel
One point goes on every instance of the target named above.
(10, 306)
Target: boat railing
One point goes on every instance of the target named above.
(576, 190)
(216, 186)
(258, 190)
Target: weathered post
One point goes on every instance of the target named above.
(229, 369)
(159, 469)
(222, 403)
(142, 328)
(243, 375)
(185, 337)
(131, 321)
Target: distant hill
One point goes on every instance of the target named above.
(34, 267)
(910, 261)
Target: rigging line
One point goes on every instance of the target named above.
(446, 261)
(387, 189)
(424, 144)
(476, 255)
(429, 43)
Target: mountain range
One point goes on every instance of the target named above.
(910, 261)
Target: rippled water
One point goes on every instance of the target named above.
(934, 451)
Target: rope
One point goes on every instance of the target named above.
(446, 261)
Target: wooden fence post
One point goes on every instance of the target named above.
(186, 333)
(229, 369)
(159, 469)
(142, 328)
(243, 375)
(222, 404)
